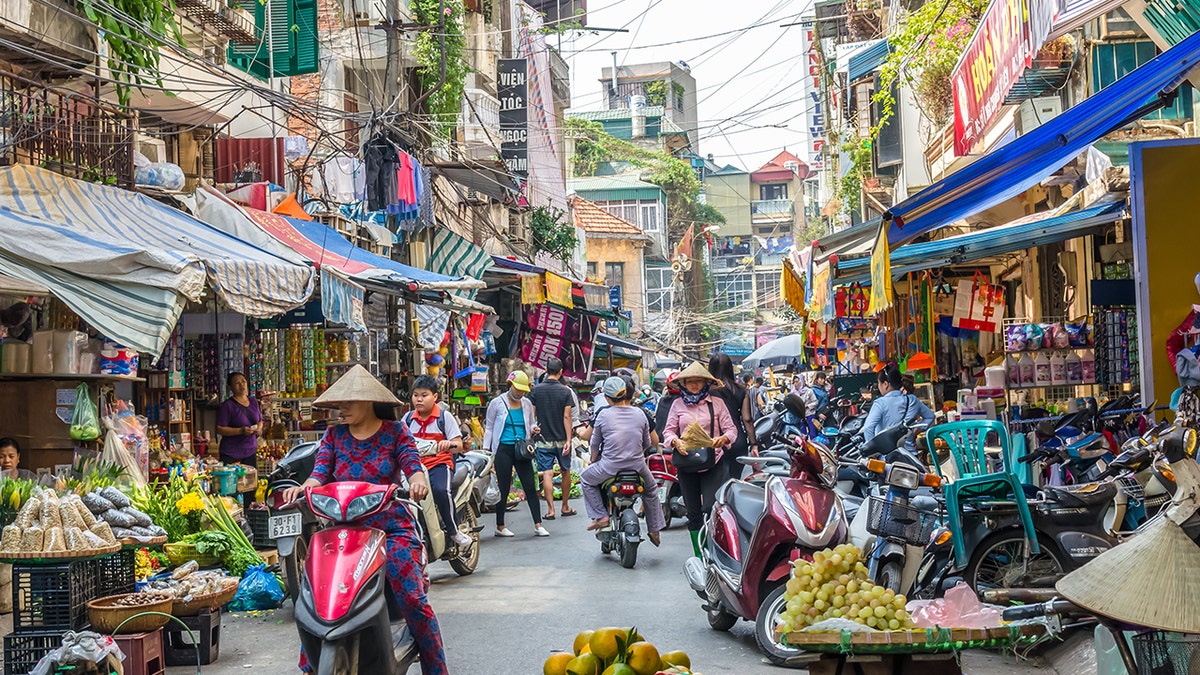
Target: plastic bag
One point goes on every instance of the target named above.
(960, 608)
(160, 174)
(77, 648)
(259, 589)
(115, 453)
(85, 423)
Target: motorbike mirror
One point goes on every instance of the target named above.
(795, 405)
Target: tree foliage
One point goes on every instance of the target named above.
(553, 233)
(445, 104)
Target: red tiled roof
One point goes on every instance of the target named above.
(595, 220)
(774, 169)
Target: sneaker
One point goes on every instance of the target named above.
(505, 533)
(541, 532)
(462, 539)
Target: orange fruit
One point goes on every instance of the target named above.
(643, 658)
(581, 641)
(675, 658)
(604, 643)
(619, 669)
(584, 664)
(557, 664)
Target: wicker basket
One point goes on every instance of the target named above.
(210, 602)
(107, 618)
(180, 553)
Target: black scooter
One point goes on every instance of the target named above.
(293, 529)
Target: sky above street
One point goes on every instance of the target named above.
(748, 69)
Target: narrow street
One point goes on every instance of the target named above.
(531, 597)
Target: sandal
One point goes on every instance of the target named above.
(654, 538)
(567, 513)
(548, 516)
(599, 524)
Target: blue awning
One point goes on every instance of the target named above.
(1016, 236)
(1013, 168)
(866, 60)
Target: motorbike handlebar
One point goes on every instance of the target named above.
(1050, 608)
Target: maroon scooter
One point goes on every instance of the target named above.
(757, 531)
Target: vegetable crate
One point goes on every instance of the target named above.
(180, 646)
(52, 597)
(259, 520)
(143, 653)
(114, 573)
(23, 650)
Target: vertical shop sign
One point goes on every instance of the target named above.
(550, 332)
(513, 91)
(815, 116)
(1004, 44)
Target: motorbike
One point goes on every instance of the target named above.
(624, 531)
(756, 532)
(467, 484)
(345, 613)
(292, 530)
(669, 492)
(899, 519)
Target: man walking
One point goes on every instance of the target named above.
(553, 403)
(754, 389)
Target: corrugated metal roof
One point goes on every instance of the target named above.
(604, 188)
(867, 59)
(614, 114)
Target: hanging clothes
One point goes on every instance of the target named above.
(340, 176)
(382, 160)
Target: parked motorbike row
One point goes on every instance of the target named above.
(820, 485)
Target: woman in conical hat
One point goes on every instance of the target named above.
(367, 448)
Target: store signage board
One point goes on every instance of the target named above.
(65, 396)
(815, 114)
(550, 332)
(1004, 44)
(513, 91)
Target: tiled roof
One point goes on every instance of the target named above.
(595, 183)
(595, 220)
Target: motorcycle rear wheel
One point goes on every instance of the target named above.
(467, 560)
(998, 562)
(719, 619)
(628, 553)
(764, 628)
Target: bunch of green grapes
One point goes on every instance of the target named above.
(835, 586)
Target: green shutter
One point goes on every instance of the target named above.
(1113, 60)
(293, 34)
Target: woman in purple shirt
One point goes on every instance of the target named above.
(239, 421)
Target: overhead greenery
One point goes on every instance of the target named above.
(445, 104)
(134, 30)
(849, 188)
(553, 233)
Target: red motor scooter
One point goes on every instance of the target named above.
(670, 495)
(756, 532)
(345, 611)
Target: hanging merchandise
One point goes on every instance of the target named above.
(475, 326)
(85, 423)
(978, 305)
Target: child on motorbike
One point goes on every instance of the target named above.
(427, 421)
(620, 439)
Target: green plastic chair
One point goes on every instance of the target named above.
(967, 442)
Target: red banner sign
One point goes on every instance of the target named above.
(1003, 45)
(549, 332)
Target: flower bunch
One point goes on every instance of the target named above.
(190, 503)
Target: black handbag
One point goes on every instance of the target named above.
(700, 459)
(523, 448)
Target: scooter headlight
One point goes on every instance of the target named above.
(326, 506)
(363, 504)
(903, 477)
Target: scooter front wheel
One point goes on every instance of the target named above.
(768, 617)
(890, 576)
(340, 658)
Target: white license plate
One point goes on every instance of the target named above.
(285, 525)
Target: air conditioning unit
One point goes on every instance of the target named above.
(155, 149)
(1035, 112)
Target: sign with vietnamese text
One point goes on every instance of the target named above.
(550, 332)
(1004, 44)
(512, 89)
(815, 115)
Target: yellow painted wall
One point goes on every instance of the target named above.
(1164, 186)
(628, 251)
(730, 194)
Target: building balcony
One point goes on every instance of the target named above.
(218, 19)
(771, 209)
(480, 123)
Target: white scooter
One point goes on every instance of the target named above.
(472, 471)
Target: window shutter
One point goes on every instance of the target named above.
(304, 36)
(293, 34)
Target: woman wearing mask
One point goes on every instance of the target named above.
(894, 406)
(510, 421)
(737, 402)
(695, 404)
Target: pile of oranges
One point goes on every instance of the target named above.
(616, 651)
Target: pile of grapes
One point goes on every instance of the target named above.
(835, 585)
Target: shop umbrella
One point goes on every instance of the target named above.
(778, 352)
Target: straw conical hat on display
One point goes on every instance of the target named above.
(696, 370)
(1151, 580)
(358, 384)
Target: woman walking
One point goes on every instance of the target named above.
(737, 401)
(366, 448)
(510, 423)
(695, 404)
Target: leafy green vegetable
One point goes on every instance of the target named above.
(242, 555)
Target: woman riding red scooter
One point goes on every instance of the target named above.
(372, 450)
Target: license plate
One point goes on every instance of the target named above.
(285, 525)
(662, 494)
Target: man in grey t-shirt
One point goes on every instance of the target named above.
(553, 402)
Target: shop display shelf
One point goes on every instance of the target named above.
(53, 597)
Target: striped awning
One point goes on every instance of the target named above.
(452, 255)
(247, 279)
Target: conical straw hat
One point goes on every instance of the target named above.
(1151, 580)
(356, 385)
(696, 370)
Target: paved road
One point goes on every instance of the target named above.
(531, 597)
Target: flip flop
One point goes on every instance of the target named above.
(599, 525)
(548, 517)
(567, 513)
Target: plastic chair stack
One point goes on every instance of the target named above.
(967, 442)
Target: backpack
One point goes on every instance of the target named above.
(441, 421)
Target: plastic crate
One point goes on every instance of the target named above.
(204, 633)
(143, 653)
(114, 573)
(259, 519)
(22, 651)
(53, 597)
(892, 519)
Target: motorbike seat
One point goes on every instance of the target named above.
(747, 502)
(462, 469)
(926, 503)
(1088, 494)
(479, 462)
